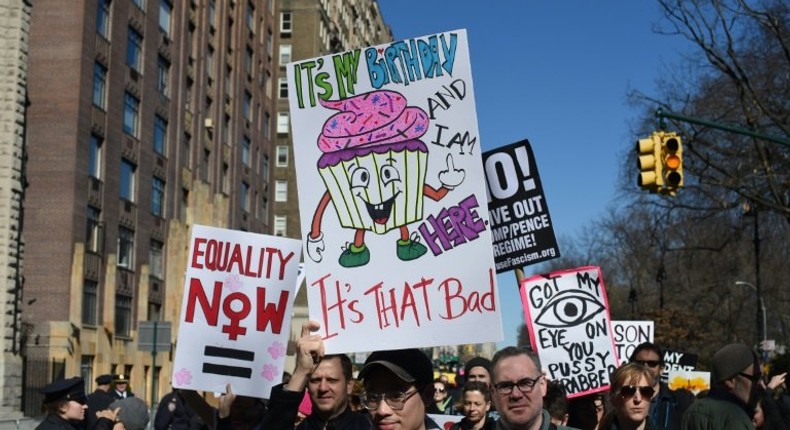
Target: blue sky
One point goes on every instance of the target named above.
(556, 73)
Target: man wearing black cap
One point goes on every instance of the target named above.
(478, 369)
(329, 383)
(65, 404)
(398, 388)
(735, 385)
(99, 399)
(121, 390)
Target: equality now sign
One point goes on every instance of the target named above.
(236, 311)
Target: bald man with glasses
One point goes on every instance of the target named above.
(518, 388)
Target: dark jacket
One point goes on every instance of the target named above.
(175, 414)
(117, 394)
(718, 410)
(54, 422)
(465, 424)
(97, 401)
(667, 408)
(284, 405)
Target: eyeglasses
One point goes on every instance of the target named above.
(396, 400)
(525, 385)
(754, 378)
(628, 391)
(440, 390)
(648, 363)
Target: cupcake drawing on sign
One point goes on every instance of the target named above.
(374, 167)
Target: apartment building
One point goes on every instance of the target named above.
(145, 117)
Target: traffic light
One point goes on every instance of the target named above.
(672, 161)
(650, 165)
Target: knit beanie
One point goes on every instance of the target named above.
(731, 360)
(133, 413)
(477, 362)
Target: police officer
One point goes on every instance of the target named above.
(65, 404)
(121, 390)
(175, 414)
(98, 400)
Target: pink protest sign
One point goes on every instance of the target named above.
(567, 313)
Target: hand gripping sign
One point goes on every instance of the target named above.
(236, 311)
(569, 325)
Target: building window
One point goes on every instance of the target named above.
(160, 134)
(156, 261)
(280, 223)
(283, 121)
(94, 157)
(165, 11)
(268, 46)
(246, 108)
(210, 63)
(86, 368)
(123, 315)
(90, 300)
(283, 93)
(93, 234)
(134, 50)
(264, 166)
(126, 248)
(286, 22)
(245, 151)
(285, 54)
(248, 61)
(100, 86)
(157, 197)
(244, 196)
(281, 191)
(131, 111)
(103, 19)
(225, 178)
(282, 156)
(267, 127)
(127, 180)
(212, 14)
(250, 18)
(162, 75)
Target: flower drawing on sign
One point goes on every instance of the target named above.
(183, 376)
(269, 372)
(569, 309)
(276, 350)
(374, 167)
(233, 283)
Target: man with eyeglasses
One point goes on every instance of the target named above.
(398, 389)
(329, 383)
(666, 406)
(518, 388)
(735, 389)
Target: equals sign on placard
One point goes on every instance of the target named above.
(227, 370)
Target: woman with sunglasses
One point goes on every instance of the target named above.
(475, 404)
(630, 392)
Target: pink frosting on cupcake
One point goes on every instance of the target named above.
(374, 118)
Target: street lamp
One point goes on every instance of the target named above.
(762, 328)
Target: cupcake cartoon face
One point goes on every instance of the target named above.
(377, 189)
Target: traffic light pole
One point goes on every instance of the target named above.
(661, 114)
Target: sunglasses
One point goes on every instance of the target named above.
(628, 391)
(648, 363)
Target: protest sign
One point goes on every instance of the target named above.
(392, 196)
(567, 313)
(236, 311)
(676, 360)
(520, 221)
(628, 335)
(693, 381)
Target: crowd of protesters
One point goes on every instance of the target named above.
(397, 390)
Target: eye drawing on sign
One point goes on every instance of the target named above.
(569, 309)
(374, 167)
